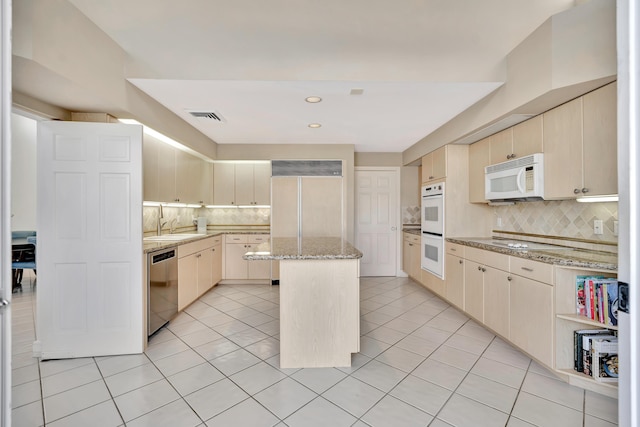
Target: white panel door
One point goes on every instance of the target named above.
(90, 281)
(376, 221)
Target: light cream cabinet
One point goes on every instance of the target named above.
(242, 183)
(434, 165)
(216, 266)
(517, 141)
(454, 274)
(172, 175)
(195, 274)
(580, 146)
(474, 290)
(411, 256)
(496, 299)
(237, 268)
(479, 158)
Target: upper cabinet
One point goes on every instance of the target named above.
(242, 183)
(172, 175)
(520, 140)
(580, 146)
(434, 165)
(479, 157)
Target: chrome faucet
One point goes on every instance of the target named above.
(160, 218)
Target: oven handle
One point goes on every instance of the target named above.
(432, 235)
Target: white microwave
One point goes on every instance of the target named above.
(518, 180)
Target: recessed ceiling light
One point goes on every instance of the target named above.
(313, 99)
(314, 125)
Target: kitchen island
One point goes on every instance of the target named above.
(319, 299)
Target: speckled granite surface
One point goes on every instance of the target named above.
(152, 246)
(305, 248)
(415, 231)
(580, 258)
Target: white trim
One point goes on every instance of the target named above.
(398, 172)
(5, 213)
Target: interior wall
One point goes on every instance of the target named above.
(23, 172)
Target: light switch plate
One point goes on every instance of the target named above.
(597, 226)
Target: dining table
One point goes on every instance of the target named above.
(22, 250)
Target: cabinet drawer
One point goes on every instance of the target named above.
(192, 248)
(257, 238)
(455, 249)
(217, 240)
(236, 238)
(487, 258)
(534, 270)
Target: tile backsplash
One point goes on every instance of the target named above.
(562, 218)
(410, 215)
(182, 218)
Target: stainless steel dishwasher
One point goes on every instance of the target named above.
(162, 288)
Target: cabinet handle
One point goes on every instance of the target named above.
(479, 268)
(198, 256)
(431, 177)
(527, 269)
(585, 190)
(410, 244)
(484, 269)
(576, 191)
(453, 249)
(509, 278)
(460, 261)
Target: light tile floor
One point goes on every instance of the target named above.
(422, 363)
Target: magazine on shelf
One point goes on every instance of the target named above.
(604, 357)
(587, 367)
(577, 345)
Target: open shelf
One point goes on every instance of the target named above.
(585, 320)
(585, 381)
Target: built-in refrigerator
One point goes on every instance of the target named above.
(307, 200)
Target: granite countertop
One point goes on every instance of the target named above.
(568, 257)
(292, 248)
(412, 230)
(152, 246)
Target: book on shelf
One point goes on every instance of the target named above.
(578, 335)
(587, 361)
(604, 359)
(597, 299)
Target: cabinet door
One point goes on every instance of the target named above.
(427, 168)
(439, 166)
(479, 157)
(562, 135)
(532, 318)
(496, 300)
(234, 266)
(474, 290)
(600, 141)
(244, 184)
(406, 256)
(416, 261)
(224, 183)
(187, 280)
(206, 184)
(527, 137)
(501, 146)
(150, 168)
(188, 177)
(262, 183)
(205, 272)
(216, 264)
(257, 269)
(284, 208)
(321, 207)
(454, 273)
(166, 173)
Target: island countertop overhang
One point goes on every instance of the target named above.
(293, 248)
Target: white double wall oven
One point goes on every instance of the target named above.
(432, 247)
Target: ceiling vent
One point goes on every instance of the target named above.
(207, 115)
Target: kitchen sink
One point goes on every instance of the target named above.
(171, 237)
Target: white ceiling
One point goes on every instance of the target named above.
(419, 62)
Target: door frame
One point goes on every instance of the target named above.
(397, 170)
(5, 213)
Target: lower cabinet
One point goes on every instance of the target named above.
(496, 293)
(474, 290)
(531, 317)
(197, 270)
(454, 274)
(411, 256)
(237, 268)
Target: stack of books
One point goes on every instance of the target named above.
(596, 354)
(597, 299)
